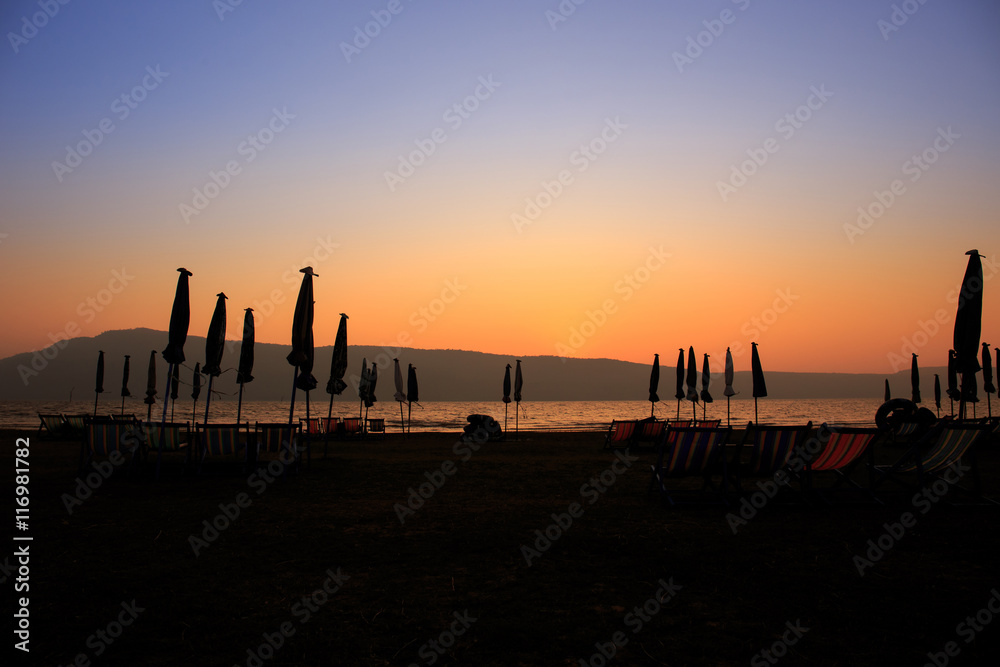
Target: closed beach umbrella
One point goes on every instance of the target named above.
(506, 395)
(150, 385)
(968, 327)
(302, 338)
(195, 389)
(706, 379)
(759, 387)
(244, 372)
(915, 379)
(338, 369)
(363, 385)
(654, 384)
(306, 381)
(99, 380)
(692, 382)
(679, 394)
(399, 396)
(518, 385)
(372, 382)
(937, 393)
(215, 344)
(412, 393)
(888, 394)
(125, 391)
(730, 376)
(180, 318)
(988, 378)
(175, 384)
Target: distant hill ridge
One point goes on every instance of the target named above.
(444, 375)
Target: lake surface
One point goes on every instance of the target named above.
(451, 415)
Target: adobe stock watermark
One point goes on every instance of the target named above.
(967, 629)
(635, 620)
(88, 309)
(915, 167)
(629, 284)
(31, 25)
(432, 651)
(223, 7)
(898, 17)
(364, 34)
(591, 491)
(580, 159)
(103, 638)
(121, 107)
(454, 116)
(786, 127)
(779, 649)
(562, 12)
(927, 329)
(248, 150)
(696, 44)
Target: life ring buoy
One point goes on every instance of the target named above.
(926, 417)
(894, 410)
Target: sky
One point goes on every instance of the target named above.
(584, 179)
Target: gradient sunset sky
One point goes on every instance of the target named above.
(618, 181)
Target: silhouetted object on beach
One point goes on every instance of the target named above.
(914, 379)
(175, 383)
(968, 328)
(888, 394)
(679, 394)
(338, 368)
(99, 380)
(988, 387)
(125, 391)
(365, 390)
(372, 383)
(244, 372)
(654, 384)
(506, 395)
(706, 380)
(692, 383)
(215, 344)
(180, 318)
(953, 393)
(759, 386)
(730, 376)
(937, 393)
(480, 429)
(412, 394)
(518, 385)
(195, 391)
(302, 337)
(150, 399)
(400, 395)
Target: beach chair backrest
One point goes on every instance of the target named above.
(102, 437)
(708, 423)
(376, 425)
(220, 439)
(653, 430)
(693, 450)
(311, 426)
(352, 425)
(773, 445)
(951, 445)
(622, 431)
(76, 423)
(274, 438)
(329, 424)
(174, 435)
(843, 447)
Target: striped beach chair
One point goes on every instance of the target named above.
(650, 431)
(102, 438)
(764, 451)
(223, 441)
(620, 434)
(52, 426)
(282, 440)
(839, 451)
(692, 452)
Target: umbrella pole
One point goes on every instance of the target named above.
(678, 409)
(755, 419)
(402, 424)
(96, 396)
(517, 417)
(728, 417)
(326, 433)
(149, 411)
(123, 406)
(163, 422)
(409, 415)
(208, 399)
(239, 405)
(989, 408)
(505, 405)
(291, 407)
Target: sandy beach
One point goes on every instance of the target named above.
(351, 562)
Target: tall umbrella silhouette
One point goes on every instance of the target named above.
(914, 379)
(506, 396)
(99, 380)
(518, 385)
(180, 318)
(244, 372)
(150, 399)
(399, 396)
(363, 386)
(175, 383)
(654, 384)
(125, 391)
(302, 338)
(988, 386)
(730, 376)
(372, 382)
(759, 386)
(306, 381)
(412, 393)
(692, 383)
(215, 345)
(338, 368)
(953, 393)
(195, 390)
(888, 394)
(937, 393)
(968, 327)
(706, 379)
(679, 395)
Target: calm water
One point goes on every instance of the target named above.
(450, 416)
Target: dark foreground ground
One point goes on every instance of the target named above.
(452, 585)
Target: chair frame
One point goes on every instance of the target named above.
(201, 431)
(703, 453)
(101, 437)
(293, 445)
(843, 450)
(765, 460)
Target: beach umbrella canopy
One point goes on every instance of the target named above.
(506, 385)
(99, 380)
(969, 319)
(915, 379)
(518, 382)
(730, 374)
(125, 391)
(953, 377)
(196, 382)
(338, 367)
(372, 381)
(759, 387)
(397, 378)
(215, 341)
(301, 355)
(706, 379)
(244, 373)
(937, 391)
(888, 394)
(692, 377)
(365, 381)
(988, 386)
(151, 380)
(654, 379)
(679, 395)
(412, 391)
(180, 318)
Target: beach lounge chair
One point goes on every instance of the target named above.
(764, 452)
(280, 439)
(376, 426)
(329, 425)
(176, 438)
(222, 441)
(102, 438)
(688, 451)
(839, 451)
(943, 453)
(708, 423)
(650, 431)
(76, 423)
(52, 426)
(621, 434)
(351, 427)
